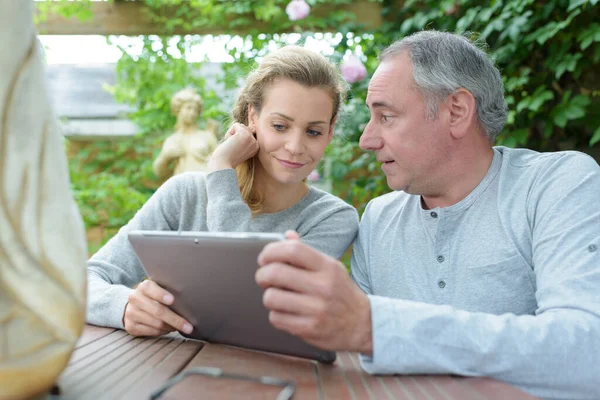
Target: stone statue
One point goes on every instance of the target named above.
(189, 147)
(42, 238)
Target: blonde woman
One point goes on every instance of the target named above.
(283, 121)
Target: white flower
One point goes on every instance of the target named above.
(297, 9)
(353, 70)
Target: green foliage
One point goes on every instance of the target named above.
(548, 53)
(65, 8)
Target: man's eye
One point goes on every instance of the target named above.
(385, 118)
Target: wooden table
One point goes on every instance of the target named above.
(110, 364)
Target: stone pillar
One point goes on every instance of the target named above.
(42, 240)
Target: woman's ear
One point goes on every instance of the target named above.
(252, 118)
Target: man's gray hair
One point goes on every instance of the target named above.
(444, 62)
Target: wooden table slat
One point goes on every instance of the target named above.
(452, 388)
(140, 366)
(167, 367)
(110, 364)
(92, 333)
(355, 379)
(98, 347)
(491, 389)
(333, 382)
(254, 363)
(103, 381)
(88, 357)
(382, 387)
(85, 379)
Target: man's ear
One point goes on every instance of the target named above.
(462, 112)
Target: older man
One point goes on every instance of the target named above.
(484, 261)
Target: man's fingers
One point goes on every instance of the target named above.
(285, 277)
(293, 252)
(290, 302)
(297, 325)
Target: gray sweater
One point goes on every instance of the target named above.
(198, 202)
(504, 283)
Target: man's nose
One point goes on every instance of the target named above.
(370, 139)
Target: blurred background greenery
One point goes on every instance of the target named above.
(548, 52)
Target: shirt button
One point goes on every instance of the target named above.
(592, 248)
(433, 214)
(440, 259)
(442, 284)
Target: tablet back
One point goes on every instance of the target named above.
(211, 276)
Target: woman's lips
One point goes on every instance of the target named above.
(289, 164)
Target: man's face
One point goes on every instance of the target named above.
(412, 149)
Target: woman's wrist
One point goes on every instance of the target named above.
(216, 165)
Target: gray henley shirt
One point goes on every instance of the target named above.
(505, 283)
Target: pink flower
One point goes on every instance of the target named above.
(313, 176)
(297, 9)
(353, 70)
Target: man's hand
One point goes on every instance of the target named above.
(238, 146)
(311, 295)
(147, 314)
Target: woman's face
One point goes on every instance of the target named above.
(293, 129)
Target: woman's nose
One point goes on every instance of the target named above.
(295, 144)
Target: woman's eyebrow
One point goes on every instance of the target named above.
(292, 119)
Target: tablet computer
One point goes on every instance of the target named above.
(211, 276)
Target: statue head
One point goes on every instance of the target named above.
(186, 105)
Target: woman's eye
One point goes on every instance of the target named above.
(278, 127)
(313, 133)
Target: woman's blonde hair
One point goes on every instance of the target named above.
(295, 63)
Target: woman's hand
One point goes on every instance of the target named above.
(147, 312)
(238, 146)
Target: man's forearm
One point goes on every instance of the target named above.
(555, 354)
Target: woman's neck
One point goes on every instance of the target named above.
(277, 196)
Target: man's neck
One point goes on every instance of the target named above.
(469, 168)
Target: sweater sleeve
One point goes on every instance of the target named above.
(115, 268)
(226, 210)
(553, 354)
